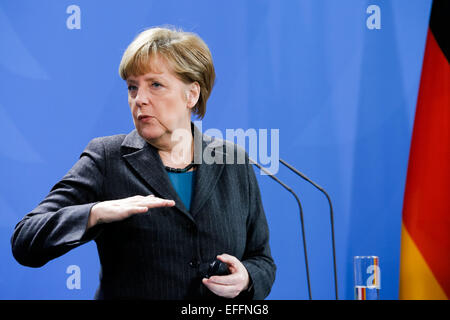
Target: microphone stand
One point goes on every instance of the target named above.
(301, 219)
(331, 219)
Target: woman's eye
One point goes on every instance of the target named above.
(156, 84)
(130, 88)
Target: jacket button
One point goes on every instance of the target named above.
(193, 264)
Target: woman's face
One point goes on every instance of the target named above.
(159, 101)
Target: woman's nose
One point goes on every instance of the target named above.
(142, 97)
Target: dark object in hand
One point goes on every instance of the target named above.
(215, 268)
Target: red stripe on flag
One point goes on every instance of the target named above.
(426, 209)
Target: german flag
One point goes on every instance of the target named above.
(425, 244)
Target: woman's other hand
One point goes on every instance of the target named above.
(231, 285)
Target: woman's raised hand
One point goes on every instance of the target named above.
(116, 210)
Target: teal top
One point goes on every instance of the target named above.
(183, 184)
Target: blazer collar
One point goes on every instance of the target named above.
(147, 164)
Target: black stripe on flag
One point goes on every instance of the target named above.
(440, 25)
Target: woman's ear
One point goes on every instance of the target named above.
(192, 94)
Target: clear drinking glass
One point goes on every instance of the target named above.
(367, 277)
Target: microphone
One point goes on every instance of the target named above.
(301, 219)
(331, 219)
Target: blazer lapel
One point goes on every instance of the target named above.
(145, 160)
(207, 175)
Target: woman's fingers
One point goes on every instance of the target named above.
(150, 201)
(227, 291)
(143, 204)
(154, 202)
(230, 260)
(231, 279)
(132, 210)
(115, 210)
(229, 285)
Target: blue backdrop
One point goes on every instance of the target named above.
(342, 95)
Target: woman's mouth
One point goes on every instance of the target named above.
(145, 118)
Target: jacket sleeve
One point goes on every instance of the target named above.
(59, 222)
(258, 260)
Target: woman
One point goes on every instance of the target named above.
(158, 218)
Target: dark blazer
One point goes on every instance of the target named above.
(155, 255)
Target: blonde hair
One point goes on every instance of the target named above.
(187, 54)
